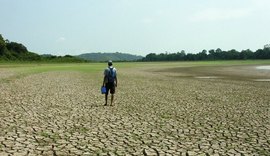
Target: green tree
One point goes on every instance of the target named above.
(262, 53)
(232, 55)
(2, 45)
(246, 54)
(16, 47)
(202, 55)
(151, 57)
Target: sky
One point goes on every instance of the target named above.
(137, 27)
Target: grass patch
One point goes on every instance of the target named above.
(165, 116)
(97, 67)
(81, 67)
(83, 129)
(45, 134)
(136, 136)
(55, 137)
(24, 69)
(79, 129)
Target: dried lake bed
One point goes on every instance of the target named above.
(61, 112)
(263, 67)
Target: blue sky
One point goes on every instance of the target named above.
(135, 26)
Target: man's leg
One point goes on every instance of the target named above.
(106, 94)
(106, 99)
(112, 91)
(112, 99)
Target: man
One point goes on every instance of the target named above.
(110, 81)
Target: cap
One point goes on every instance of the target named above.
(110, 62)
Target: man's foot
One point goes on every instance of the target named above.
(105, 104)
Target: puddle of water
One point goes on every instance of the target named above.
(207, 77)
(262, 80)
(263, 67)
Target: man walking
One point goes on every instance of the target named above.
(110, 81)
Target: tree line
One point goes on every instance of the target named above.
(212, 54)
(13, 51)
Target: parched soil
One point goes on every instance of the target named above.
(240, 72)
(5, 74)
(62, 113)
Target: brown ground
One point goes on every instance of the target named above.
(155, 113)
(240, 72)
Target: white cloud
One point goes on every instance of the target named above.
(218, 14)
(61, 39)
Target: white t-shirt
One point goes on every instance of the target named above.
(107, 72)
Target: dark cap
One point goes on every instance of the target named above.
(110, 62)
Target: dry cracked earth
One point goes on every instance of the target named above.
(62, 113)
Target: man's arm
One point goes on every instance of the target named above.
(116, 81)
(104, 80)
(115, 78)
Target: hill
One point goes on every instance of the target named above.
(13, 51)
(109, 56)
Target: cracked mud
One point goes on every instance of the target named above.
(62, 113)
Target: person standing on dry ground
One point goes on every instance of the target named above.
(110, 81)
